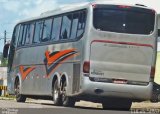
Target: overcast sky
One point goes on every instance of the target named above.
(12, 11)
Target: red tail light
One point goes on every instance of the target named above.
(153, 11)
(152, 72)
(86, 67)
(123, 6)
(93, 5)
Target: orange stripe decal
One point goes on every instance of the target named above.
(52, 59)
(69, 57)
(25, 72)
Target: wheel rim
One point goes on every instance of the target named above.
(64, 92)
(55, 92)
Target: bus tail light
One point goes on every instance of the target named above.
(153, 11)
(124, 6)
(86, 67)
(152, 73)
(93, 5)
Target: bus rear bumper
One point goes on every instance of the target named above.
(101, 89)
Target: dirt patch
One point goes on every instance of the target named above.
(135, 105)
(147, 105)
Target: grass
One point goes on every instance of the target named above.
(8, 97)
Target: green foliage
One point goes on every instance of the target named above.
(4, 61)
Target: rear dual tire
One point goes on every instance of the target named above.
(66, 101)
(59, 96)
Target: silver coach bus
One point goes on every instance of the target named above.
(158, 28)
(102, 52)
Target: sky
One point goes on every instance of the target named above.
(12, 11)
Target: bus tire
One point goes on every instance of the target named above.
(67, 101)
(114, 104)
(19, 97)
(56, 94)
(154, 98)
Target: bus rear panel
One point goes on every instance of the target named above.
(122, 52)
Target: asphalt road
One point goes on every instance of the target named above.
(61, 111)
(47, 107)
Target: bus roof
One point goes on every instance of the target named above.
(79, 6)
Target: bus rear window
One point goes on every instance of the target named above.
(130, 20)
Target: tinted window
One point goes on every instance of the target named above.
(74, 25)
(29, 33)
(15, 35)
(56, 28)
(47, 30)
(66, 26)
(158, 35)
(81, 24)
(20, 35)
(124, 20)
(24, 34)
(38, 32)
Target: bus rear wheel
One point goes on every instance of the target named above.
(19, 97)
(66, 101)
(117, 104)
(56, 94)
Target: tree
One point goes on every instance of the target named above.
(4, 61)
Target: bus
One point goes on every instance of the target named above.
(99, 51)
(158, 28)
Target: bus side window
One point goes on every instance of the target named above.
(38, 32)
(56, 28)
(158, 35)
(47, 30)
(13, 46)
(24, 34)
(20, 35)
(66, 26)
(81, 24)
(15, 35)
(29, 33)
(74, 25)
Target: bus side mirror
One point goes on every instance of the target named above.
(5, 50)
(158, 32)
